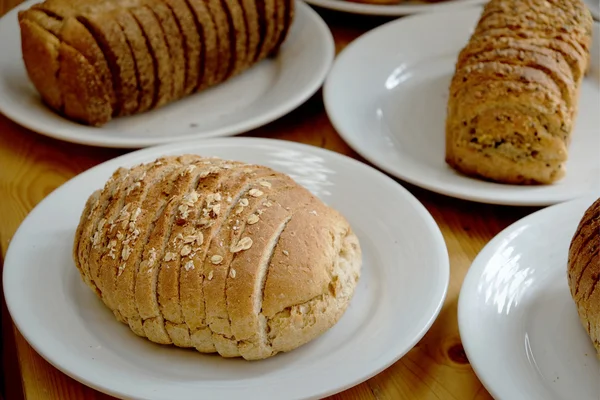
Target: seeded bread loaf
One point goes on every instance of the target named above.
(218, 256)
(93, 60)
(584, 271)
(514, 95)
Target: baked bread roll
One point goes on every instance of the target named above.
(514, 95)
(584, 271)
(216, 255)
(92, 60)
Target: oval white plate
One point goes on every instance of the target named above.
(518, 323)
(393, 111)
(402, 288)
(402, 8)
(258, 96)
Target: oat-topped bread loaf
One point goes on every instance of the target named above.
(513, 98)
(216, 255)
(92, 60)
(584, 271)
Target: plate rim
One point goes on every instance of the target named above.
(392, 10)
(507, 199)
(10, 272)
(292, 102)
(474, 274)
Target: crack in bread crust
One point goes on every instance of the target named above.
(141, 225)
(169, 281)
(92, 222)
(221, 246)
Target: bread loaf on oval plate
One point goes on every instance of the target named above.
(217, 255)
(94, 60)
(514, 95)
(584, 271)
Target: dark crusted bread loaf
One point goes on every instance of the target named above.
(216, 255)
(584, 271)
(514, 95)
(92, 60)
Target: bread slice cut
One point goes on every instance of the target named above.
(529, 56)
(142, 57)
(124, 231)
(76, 35)
(290, 7)
(175, 45)
(229, 241)
(280, 13)
(183, 282)
(222, 194)
(187, 214)
(40, 50)
(209, 53)
(90, 234)
(101, 246)
(576, 62)
(480, 79)
(250, 269)
(146, 205)
(238, 37)
(149, 289)
(261, 13)
(85, 97)
(113, 43)
(300, 323)
(535, 22)
(220, 14)
(505, 131)
(157, 44)
(567, 14)
(250, 10)
(192, 35)
(268, 17)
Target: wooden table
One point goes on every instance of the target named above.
(31, 166)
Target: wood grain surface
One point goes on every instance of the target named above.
(31, 166)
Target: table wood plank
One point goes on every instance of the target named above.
(32, 166)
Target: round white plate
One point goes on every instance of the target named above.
(402, 288)
(393, 111)
(518, 323)
(258, 96)
(402, 8)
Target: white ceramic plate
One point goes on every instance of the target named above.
(402, 288)
(518, 323)
(260, 95)
(402, 8)
(393, 111)
(594, 6)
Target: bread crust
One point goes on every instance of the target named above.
(192, 42)
(584, 271)
(217, 255)
(144, 65)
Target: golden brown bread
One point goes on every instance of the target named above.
(584, 271)
(217, 255)
(514, 95)
(130, 56)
